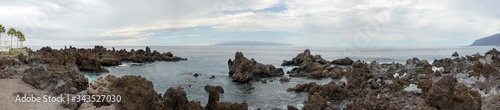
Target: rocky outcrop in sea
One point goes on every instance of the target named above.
(93, 59)
(313, 66)
(242, 70)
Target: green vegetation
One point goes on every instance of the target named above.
(19, 36)
(2, 30)
(15, 52)
(11, 33)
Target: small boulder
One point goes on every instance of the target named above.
(284, 79)
(455, 54)
(343, 61)
(215, 88)
(291, 108)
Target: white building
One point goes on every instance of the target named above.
(4, 46)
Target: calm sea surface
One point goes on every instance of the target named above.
(212, 60)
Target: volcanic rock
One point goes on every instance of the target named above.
(243, 70)
(316, 102)
(56, 78)
(447, 93)
(455, 54)
(298, 59)
(128, 87)
(145, 98)
(214, 104)
(7, 62)
(284, 79)
(92, 59)
(291, 108)
(416, 63)
(343, 61)
(215, 88)
(176, 99)
(372, 103)
(330, 91)
(358, 74)
(311, 66)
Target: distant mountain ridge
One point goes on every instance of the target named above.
(251, 43)
(493, 40)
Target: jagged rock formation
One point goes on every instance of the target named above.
(447, 93)
(381, 90)
(243, 70)
(314, 66)
(302, 57)
(92, 59)
(214, 104)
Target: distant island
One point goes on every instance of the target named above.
(251, 43)
(493, 40)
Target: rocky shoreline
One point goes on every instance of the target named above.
(458, 82)
(467, 83)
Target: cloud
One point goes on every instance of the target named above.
(316, 23)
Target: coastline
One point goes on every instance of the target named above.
(378, 71)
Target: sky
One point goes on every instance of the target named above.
(336, 23)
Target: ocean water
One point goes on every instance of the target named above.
(212, 60)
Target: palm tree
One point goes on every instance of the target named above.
(19, 36)
(2, 30)
(11, 32)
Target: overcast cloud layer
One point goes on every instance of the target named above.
(298, 22)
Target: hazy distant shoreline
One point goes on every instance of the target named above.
(251, 43)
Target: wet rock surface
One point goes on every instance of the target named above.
(214, 88)
(242, 70)
(214, 104)
(313, 66)
(284, 79)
